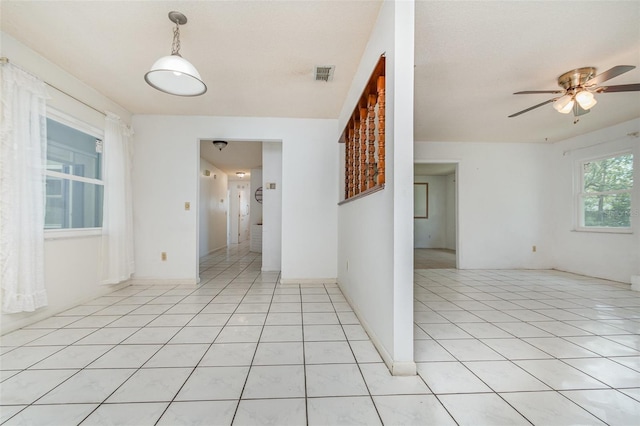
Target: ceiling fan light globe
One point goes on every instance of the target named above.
(564, 104)
(585, 99)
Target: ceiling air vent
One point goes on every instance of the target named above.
(324, 72)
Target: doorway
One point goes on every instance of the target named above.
(228, 175)
(240, 214)
(436, 216)
(261, 163)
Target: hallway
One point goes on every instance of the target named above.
(492, 347)
(434, 258)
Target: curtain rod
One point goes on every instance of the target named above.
(5, 60)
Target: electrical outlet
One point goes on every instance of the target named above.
(163, 256)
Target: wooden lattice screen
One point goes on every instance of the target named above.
(364, 138)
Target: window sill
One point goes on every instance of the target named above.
(605, 230)
(363, 194)
(60, 234)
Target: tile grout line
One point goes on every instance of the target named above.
(254, 352)
(304, 358)
(204, 353)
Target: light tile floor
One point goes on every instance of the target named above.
(492, 348)
(522, 347)
(434, 259)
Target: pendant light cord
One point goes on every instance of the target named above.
(175, 46)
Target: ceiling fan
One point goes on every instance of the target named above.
(578, 88)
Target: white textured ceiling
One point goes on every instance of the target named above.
(472, 55)
(257, 57)
(237, 156)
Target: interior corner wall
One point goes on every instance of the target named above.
(504, 204)
(375, 246)
(213, 208)
(72, 265)
(599, 254)
(165, 172)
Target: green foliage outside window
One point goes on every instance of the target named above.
(606, 192)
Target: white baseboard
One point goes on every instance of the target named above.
(213, 251)
(403, 368)
(168, 281)
(28, 318)
(286, 281)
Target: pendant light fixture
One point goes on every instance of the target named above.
(173, 74)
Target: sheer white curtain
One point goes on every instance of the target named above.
(23, 153)
(117, 222)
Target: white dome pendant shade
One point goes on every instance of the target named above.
(173, 74)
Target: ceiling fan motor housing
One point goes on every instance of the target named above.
(576, 78)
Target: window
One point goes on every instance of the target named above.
(74, 188)
(605, 192)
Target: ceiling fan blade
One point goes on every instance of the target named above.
(609, 74)
(620, 88)
(533, 107)
(533, 92)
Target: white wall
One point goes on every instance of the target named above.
(450, 222)
(165, 175)
(605, 255)
(71, 264)
(432, 231)
(375, 249)
(213, 206)
(272, 211)
(514, 196)
(504, 205)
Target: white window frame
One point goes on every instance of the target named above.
(579, 194)
(74, 123)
